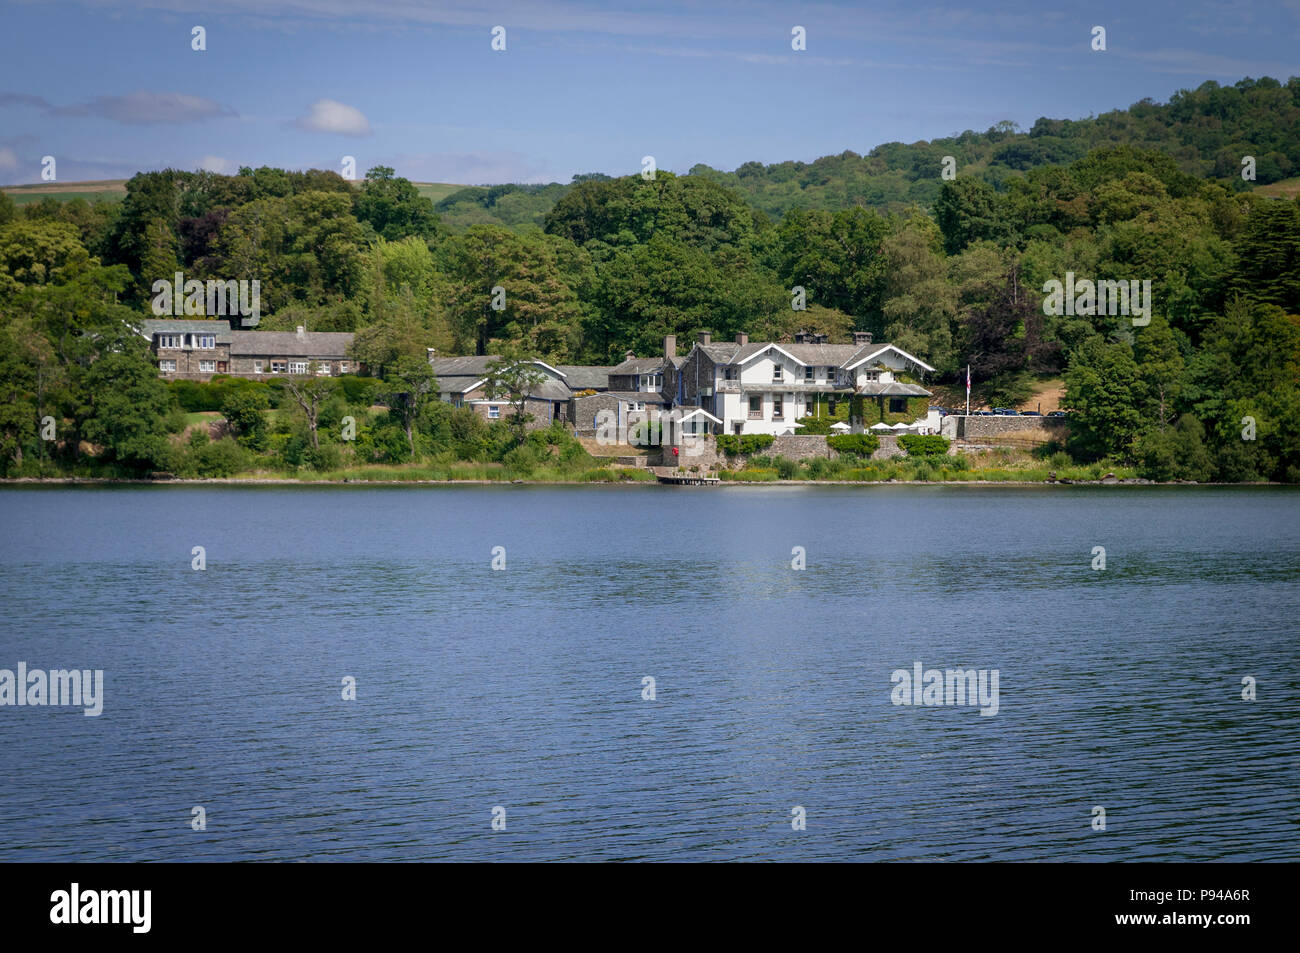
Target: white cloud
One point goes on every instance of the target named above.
(328, 115)
(219, 165)
(8, 161)
(143, 107)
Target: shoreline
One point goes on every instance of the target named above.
(286, 481)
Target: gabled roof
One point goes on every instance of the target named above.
(698, 411)
(876, 349)
(459, 375)
(892, 389)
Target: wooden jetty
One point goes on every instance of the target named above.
(671, 476)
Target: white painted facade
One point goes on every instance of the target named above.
(774, 389)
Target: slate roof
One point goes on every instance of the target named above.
(152, 326)
(631, 395)
(331, 344)
(584, 377)
(639, 365)
(892, 389)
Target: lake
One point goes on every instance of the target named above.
(522, 688)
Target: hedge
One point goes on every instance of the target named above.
(732, 444)
(923, 445)
(858, 444)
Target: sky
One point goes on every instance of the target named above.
(112, 88)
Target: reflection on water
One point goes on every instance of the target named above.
(522, 687)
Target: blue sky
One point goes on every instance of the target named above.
(113, 88)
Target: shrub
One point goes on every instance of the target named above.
(923, 445)
(816, 425)
(221, 458)
(732, 444)
(787, 469)
(856, 444)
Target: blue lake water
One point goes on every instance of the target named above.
(522, 688)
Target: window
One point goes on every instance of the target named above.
(343, 367)
(323, 368)
(871, 376)
(808, 373)
(830, 375)
(830, 405)
(278, 367)
(898, 405)
(207, 341)
(297, 367)
(494, 412)
(777, 371)
(257, 367)
(756, 407)
(207, 367)
(167, 366)
(778, 408)
(637, 405)
(729, 373)
(169, 341)
(650, 382)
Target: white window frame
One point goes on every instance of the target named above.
(206, 342)
(343, 367)
(323, 369)
(299, 367)
(494, 411)
(207, 367)
(778, 372)
(170, 342)
(257, 367)
(167, 367)
(809, 373)
(279, 367)
(778, 407)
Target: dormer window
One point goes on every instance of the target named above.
(207, 341)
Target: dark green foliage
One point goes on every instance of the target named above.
(923, 445)
(854, 444)
(733, 444)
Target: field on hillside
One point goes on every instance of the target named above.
(436, 191)
(1286, 189)
(110, 189)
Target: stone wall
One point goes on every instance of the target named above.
(998, 429)
(800, 447)
(888, 448)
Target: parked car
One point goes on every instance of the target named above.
(1030, 413)
(1004, 412)
(943, 411)
(983, 413)
(1058, 413)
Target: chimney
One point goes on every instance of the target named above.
(670, 345)
(629, 355)
(302, 332)
(706, 337)
(861, 337)
(430, 353)
(742, 338)
(801, 337)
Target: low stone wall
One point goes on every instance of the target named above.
(888, 448)
(795, 446)
(998, 429)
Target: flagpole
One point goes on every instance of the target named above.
(967, 390)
